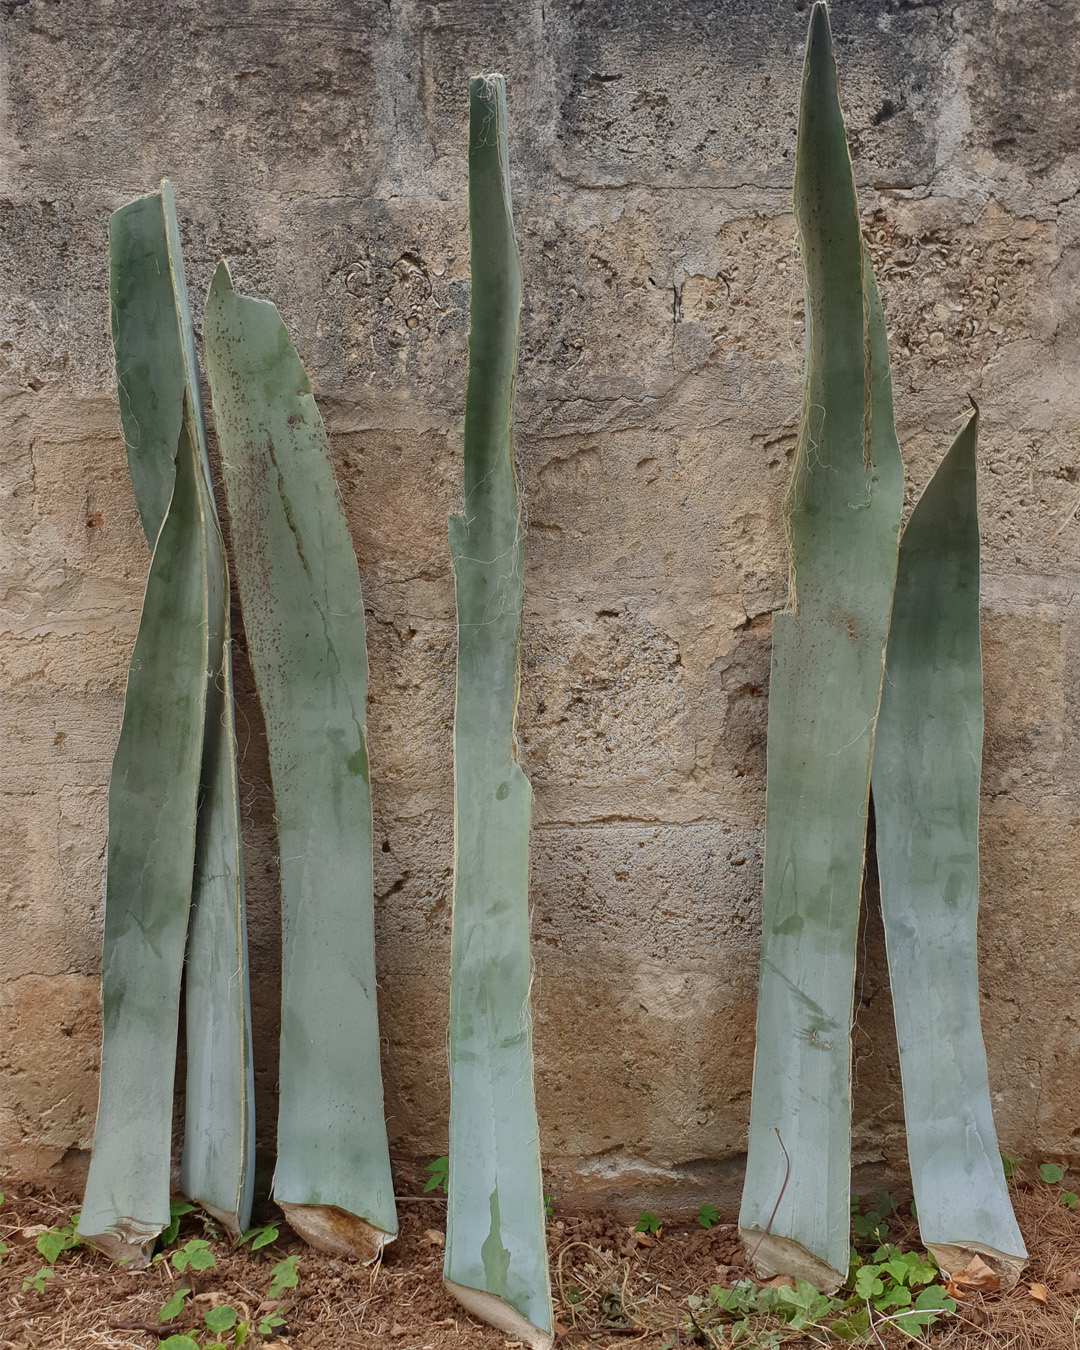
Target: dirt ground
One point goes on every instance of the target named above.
(613, 1287)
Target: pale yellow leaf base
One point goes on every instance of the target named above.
(496, 1313)
(227, 1221)
(774, 1255)
(954, 1256)
(130, 1244)
(336, 1232)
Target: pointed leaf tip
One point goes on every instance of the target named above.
(819, 43)
(819, 17)
(222, 278)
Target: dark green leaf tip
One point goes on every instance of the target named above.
(820, 30)
(819, 43)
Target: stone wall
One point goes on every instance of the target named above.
(321, 149)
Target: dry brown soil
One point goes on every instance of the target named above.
(613, 1287)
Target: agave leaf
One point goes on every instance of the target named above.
(304, 620)
(150, 373)
(158, 387)
(154, 347)
(926, 802)
(151, 850)
(496, 1258)
(217, 1165)
(828, 650)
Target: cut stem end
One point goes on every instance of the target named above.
(772, 1255)
(336, 1232)
(496, 1313)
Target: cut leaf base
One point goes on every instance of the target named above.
(772, 1255)
(226, 1218)
(491, 1309)
(336, 1232)
(955, 1256)
(130, 1244)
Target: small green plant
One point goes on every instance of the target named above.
(178, 1343)
(870, 1223)
(38, 1281)
(647, 1222)
(56, 1240)
(260, 1237)
(269, 1324)
(284, 1276)
(1009, 1163)
(440, 1172)
(177, 1210)
(222, 1318)
(708, 1215)
(1053, 1175)
(549, 1208)
(173, 1305)
(900, 1287)
(194, 1255)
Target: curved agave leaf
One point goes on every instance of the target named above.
(304, 620)
(828, 653)
(158, 386)
(926, 802)
(153, 794)
(496, 1258)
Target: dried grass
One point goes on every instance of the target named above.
(613, 1288)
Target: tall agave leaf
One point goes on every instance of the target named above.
(828, 650)
(217, 1165)
(926, 801)
(304, 620)
(156, 369)
(153, 795)
(496, 1259)
(158, 387)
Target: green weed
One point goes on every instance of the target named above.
(38, 1281)
(260, 1237)
(177, 1210)
(194, 1255)
(56, 1240)
(870, 1223)
(440, 1172)
(173, 1306)
(894, 1286)
(284, 1276)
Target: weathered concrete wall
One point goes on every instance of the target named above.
(321, 149)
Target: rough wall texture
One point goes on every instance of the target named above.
(321, 149)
